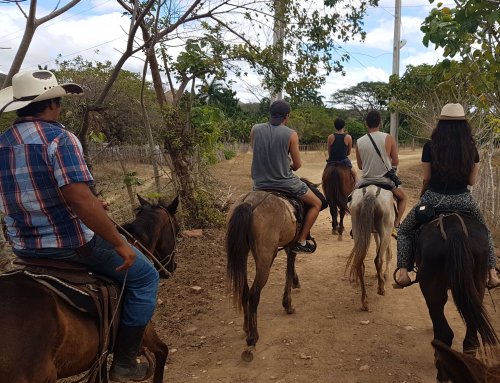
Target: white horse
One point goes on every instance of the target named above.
(372, 211)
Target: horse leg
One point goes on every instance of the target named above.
(361, 277)
(154, 344)
(263, 267)
(333, 213)
(244, 304)
(341, 223)
(290, 276)
(436, 296)
(295, 282)
(379, 263)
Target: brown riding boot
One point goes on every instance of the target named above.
(125, 366)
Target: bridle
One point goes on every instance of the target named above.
(160, 262)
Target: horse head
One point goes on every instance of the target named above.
(156, 228)
(463, 368)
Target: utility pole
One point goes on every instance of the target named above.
(395, 64)
(278, 36)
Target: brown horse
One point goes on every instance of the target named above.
(372, 211)
(43, 338)
(338, 183)
(259, 222)
(452, 253)
(463, 368)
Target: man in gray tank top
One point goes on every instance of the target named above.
(373, 169)
(275, 156)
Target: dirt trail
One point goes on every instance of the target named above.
(328, 339)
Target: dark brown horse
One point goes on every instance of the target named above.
(338, 182)
(452, 253)
(43, 338)
(259, 222)
(463, 368)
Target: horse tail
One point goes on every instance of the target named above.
(363, 217)
(239, 241)
(468, 300)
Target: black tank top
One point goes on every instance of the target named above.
(338, 150)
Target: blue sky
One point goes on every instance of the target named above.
(95, 30)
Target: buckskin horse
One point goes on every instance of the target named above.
(452, 253)
(260, 222)
(372, 211)
(43, 338)
(338, 183)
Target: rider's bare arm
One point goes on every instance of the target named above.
(358, 160)
(330, 141)
(348, 142)
(474, 174)
(392, 150)
(251, 138)
(293, 148)
(426, 176)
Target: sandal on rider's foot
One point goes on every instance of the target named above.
(395, 232)
(307, 248)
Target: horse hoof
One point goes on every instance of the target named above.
(296, 286)
(335, 231)
(339, 238)
(364, 307)
(247, 356)
(291, 310)
(381, 292)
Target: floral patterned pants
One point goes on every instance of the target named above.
(461, 202)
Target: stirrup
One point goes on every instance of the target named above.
(397, 285)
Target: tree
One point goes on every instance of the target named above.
(470, 30)
(32, 23)
(363, 97)
(422, 91)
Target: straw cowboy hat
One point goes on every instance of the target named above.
(33, 86)
(452, 112)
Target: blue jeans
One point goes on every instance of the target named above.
(141, 283)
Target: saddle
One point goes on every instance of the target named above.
(91, 294)
(437, 218)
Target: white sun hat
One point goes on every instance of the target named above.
(33, 86)
(452, 112)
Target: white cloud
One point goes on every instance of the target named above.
(99, 25)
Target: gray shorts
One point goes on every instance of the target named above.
(293, 187)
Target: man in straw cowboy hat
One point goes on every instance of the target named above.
(50, 211)
(450, 164)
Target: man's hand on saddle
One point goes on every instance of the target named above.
(127, 253)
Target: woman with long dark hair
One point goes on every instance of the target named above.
(450, 163)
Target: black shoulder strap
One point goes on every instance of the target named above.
(376, 149)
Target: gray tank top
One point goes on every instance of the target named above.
(373, 167)
(271, 161)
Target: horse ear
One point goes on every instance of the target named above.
(142, 201)
(460, 368)
(172, 208)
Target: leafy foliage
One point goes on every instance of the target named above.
(470, 30)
